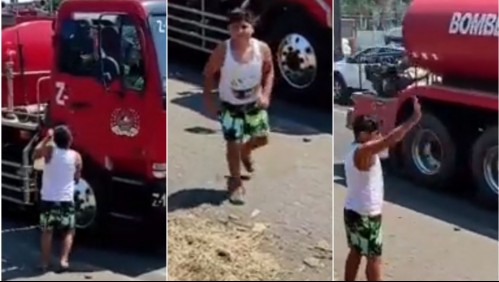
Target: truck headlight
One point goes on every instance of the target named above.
(159, 170)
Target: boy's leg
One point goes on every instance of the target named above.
(232, 128)
(352, 265)
(46, 246)
(46, 227)
(375, 243)
(353, 222)
(373, 268)
(68, 221)
(257, 129)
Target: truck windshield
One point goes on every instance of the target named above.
(157, 23)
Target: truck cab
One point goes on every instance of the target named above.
(108, 81)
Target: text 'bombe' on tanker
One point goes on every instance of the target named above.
(482, 24)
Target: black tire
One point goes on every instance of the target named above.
(296, 22)
(447, 169)
(343, 97)
(485, 195)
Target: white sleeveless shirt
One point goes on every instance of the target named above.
(365, 189)
(58, 183)
(241, 83)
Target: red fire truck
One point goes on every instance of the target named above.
(99, 68)
(457, 42)
(298, 31)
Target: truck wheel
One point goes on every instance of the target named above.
(484, 167)
(429, 153)
(90, 202)
(340, 90)
(302, 57)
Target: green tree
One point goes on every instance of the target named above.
(358, 7)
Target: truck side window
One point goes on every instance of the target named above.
(133, 61)
(110, 50)
(76, 43)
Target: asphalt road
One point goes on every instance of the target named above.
(121, 257)
(291, 191)
(428, 236)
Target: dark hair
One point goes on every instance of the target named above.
(240, 15)
(364, 123)
(62, 137)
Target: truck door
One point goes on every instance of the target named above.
(105, 92)
(80, 98)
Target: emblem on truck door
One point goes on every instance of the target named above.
(125, 122)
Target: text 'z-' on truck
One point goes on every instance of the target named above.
(298, 32)
(455, 43)
(100, 69)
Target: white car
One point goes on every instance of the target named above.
(350, 75)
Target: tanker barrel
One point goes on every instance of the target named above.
(455, 39)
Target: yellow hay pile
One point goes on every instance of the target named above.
(203, 250)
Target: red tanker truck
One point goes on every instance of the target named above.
(26, 59)
(298, 31)
(99, 68)
(457, 42)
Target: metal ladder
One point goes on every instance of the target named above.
(19, 181)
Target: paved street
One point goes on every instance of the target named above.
(117, 260)
(291, 191)
(428, 236)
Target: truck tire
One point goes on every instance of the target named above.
(483, 164)
(292, 37)
(420, 162)
(340, 90)
(91, 222)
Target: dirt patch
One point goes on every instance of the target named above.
(208, 250)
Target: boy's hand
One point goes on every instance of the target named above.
(417, 109)
(263, 101)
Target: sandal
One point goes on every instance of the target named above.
(63, 267)
(43, 268)
(236, 190)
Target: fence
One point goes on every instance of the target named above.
(370, 31)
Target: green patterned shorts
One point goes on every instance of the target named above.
(241, 123)
(364, 233)
(57, 215)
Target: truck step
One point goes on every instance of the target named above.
(126, 217)
(16, 201)
(128, 181)
(15, 177)
(15, 123)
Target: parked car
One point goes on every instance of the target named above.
(394, 36)
(350, 75)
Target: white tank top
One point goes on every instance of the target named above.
(241, 83)
(365, 189)
(58, 182)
